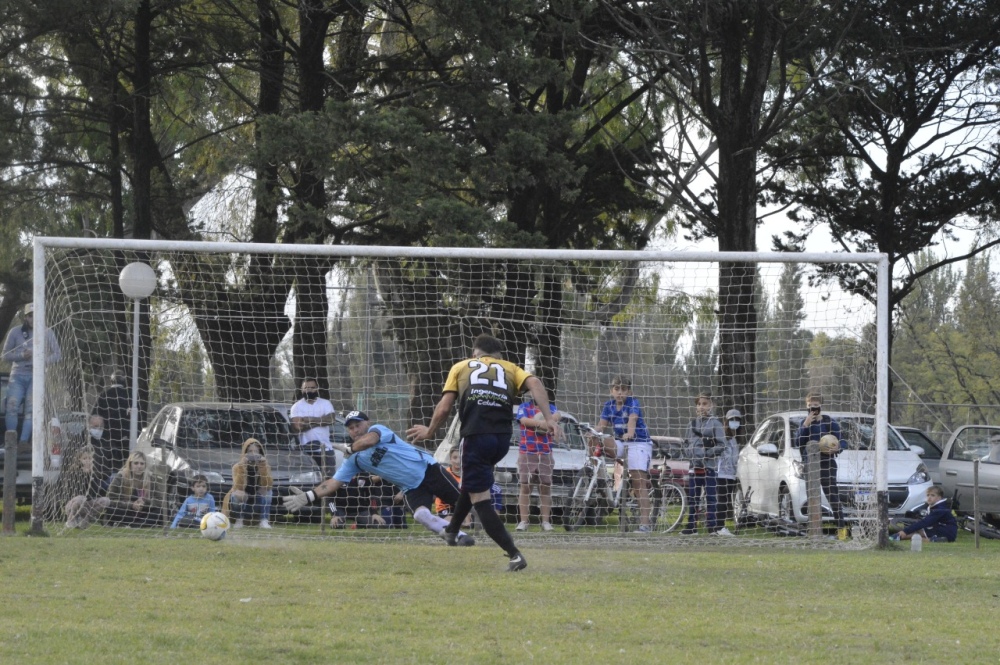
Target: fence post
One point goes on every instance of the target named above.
(9, 481)
(975, 499)
(814, 503)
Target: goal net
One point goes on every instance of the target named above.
(231, 331)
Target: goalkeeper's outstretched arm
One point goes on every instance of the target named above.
(298, 499)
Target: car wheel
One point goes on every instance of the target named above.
(785, 511)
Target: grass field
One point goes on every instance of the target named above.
(154, 600)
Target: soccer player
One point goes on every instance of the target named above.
(486, 388)
(378, 450)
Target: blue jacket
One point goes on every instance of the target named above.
(939, 522)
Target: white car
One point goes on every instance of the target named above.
(771, 472)
(568, 457)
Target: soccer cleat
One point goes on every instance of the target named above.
(723, 532)
(450, 538)
(516, 563)
(264, 524)
(546, 526)
(465, 540)
(842, 533)
(521, 526)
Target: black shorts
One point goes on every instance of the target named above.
(436, 483)
(480, 453)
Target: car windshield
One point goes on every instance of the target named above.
(229, 428)
(977, 443)
(859, 432)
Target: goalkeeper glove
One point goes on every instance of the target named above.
(298, 499)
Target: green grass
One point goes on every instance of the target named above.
(154, 600)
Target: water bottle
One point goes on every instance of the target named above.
(916, 543)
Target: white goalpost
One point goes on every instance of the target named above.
(215, 355)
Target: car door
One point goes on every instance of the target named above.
(757, 469)
(957, 470)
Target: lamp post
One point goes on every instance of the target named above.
(137, 281)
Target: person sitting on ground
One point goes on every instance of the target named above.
(938, 526)
(253, 488)
(74, 496)
(196, 506)
(134, 498)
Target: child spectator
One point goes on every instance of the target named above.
(196, 506)
(623, 413)
(938, 526)
(534, 464)
(454, 469)
(704, 443)
(252, 491)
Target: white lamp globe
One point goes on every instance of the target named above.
(137, 280)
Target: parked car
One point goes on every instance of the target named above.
(206, 437)
(568, 458)
(923, 445)
(967, 444)
(772, 468)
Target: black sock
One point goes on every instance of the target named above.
(494, 527)
(459, 512)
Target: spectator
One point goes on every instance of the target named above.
(816, 425)
(311, 418)
(938, 525)
(109, 426)
(485, 387)
(252, 492)
(623, 413)
(136, 499)
(198, 504)
(454, 469)
(534, 464)
(727, 481)
(18, 350)
(704, 443)
(377, 449)
(74, 496)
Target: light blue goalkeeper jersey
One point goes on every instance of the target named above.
(391, 458)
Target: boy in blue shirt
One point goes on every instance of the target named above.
(196, 506)
(623, 413)
(377, 450)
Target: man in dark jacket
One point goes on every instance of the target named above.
(109, 427)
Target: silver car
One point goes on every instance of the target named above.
(771, 472)
(968, 444)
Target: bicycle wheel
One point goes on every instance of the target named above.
(668, 511)
(576, 514)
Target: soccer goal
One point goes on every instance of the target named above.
(214, 350)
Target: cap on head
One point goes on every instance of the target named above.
(734, 413)
(355, 416)
(29, 308)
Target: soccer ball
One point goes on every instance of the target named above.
(214, 526)
(829, 444)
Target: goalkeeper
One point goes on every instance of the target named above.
(379, 451)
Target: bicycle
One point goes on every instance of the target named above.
(596, 491)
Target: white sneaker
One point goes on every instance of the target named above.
(521, 526)
(546, 526)
(238, 524)
(724, 532)
(264, 524)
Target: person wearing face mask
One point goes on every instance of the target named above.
(109, 427)
(727, 481)
(311, 418)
